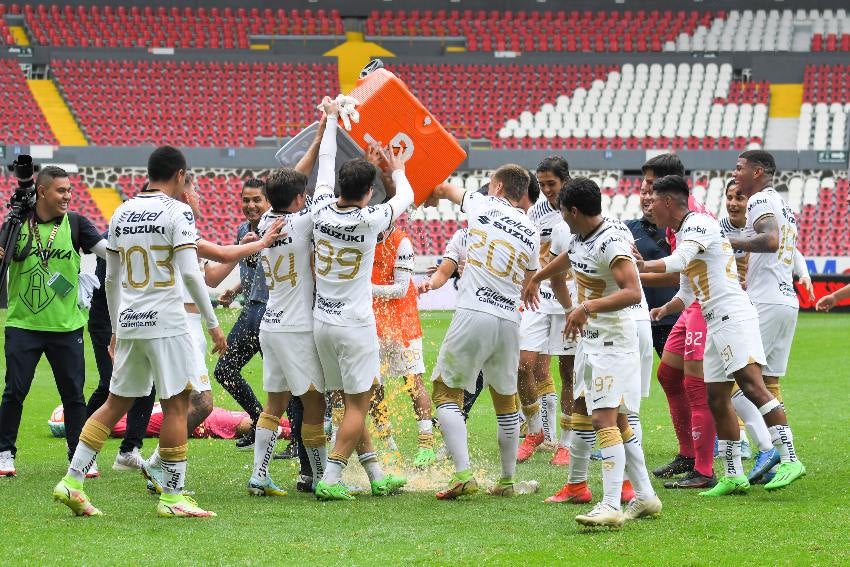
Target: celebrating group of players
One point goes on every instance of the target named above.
(576, 273)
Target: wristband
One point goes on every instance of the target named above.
(586, 310)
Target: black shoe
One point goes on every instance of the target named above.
(246, 442)
(304, 484)
(289, 452)
(692, 480)
(679, 465)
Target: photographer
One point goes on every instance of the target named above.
(43, 315)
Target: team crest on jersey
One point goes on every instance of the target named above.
(189, 216)
(36, 294)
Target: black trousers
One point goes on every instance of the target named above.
(659, 337)
(140, 412)
(243, 342)
(64, 352)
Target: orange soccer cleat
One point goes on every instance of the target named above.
(575, 493)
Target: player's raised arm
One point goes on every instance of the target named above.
(685, 252)
(326, 177)
(451, 192)
(308, 160)
(226, 254)
(403, 197)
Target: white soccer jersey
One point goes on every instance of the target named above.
(501, 245)
(146, 231)
(456, 248)
(545, 219)
(712, 276)
(561, 238)
(728, 230)
(184, 293)
(769, 274)
(638, 311)
(592, 258)
(289, 277)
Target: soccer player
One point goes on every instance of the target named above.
(290, 363)
(708, 273)
(502, 253)
(151, 244)
(541, 333)
(345, 233)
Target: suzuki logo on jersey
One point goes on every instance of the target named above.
(324, 229)
(484, 220)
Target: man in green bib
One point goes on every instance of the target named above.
(43, 315)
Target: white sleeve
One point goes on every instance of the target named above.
(678, 260)
(456, 248)
(186, 260)
(183, 229)
(395, 290)
(686, 292)
(99, 249)
(758, 206)
(113, 287)
(534, 261)
(326, 177)
(470, 199)
(403, 194)
(801, 269)
(614, 248)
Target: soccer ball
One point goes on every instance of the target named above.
(57, 422)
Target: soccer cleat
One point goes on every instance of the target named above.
(746, 450)
(266, 487)
(70, 493)
(561, 458)
(180, 506)
(765, 461)
(627, 494)
(338, 491)
(131, 461)
(7, 464)
(424, 458)
(390, 484)
(602, 515)
(246, 442)
(461, 484)
(786, 474)
(154, 477)
(729, 485)
(507, 487)
(289, 452)
(93, 472)
(528, 446)
(304, 484)
(679, 465)
(523, 428)
(648, 508)
(548, 446)
(692, 480)
(575, 493)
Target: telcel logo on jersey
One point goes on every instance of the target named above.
(142, 216)
(131, 319)
(493, 297)
(515, 229)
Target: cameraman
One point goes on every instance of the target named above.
(43, 315)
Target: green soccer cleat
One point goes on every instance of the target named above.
(729, 485)
(338, 491)
(786, 474)
(180, 506)
(265, 487)
(390, 484)
(425, 457)
(70, 493)
(153, 476)
(461, 484)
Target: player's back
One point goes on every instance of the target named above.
(729, 230)
(769, 274)
(146, 231)
(501, 245)
(287, 268)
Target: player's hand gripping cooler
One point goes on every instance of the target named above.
(389, 114)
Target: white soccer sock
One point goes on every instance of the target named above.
(782, 439)
(369, 461)
(548, 411)
(508, 432)
(453, 428)
(753, 420)
(333, 471)
(613, 467)
(564, 439)
(634, 423)
(636, 467)
(730, 451)
(82, 461)
(154, 462)
(173, 476)
(535, 420)
(581, 445)
(425, 426)
(264, 441)
(318, 458)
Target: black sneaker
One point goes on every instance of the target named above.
(246, 442)
(304, 484)
(289, 452)
(692, 480)
(679, 465)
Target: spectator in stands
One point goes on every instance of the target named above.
(44, 316)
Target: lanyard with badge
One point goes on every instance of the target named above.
(57, 281)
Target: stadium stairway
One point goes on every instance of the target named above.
(783, 116)
(352, 56)
(107, 200)
(20, 36)
(57, 113)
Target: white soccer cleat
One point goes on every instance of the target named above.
(648, 508)
(602, 515)
(131, 461)
(7, 464)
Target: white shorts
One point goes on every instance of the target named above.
(645, 348)
(200, 378)
(609, 380)
(478, 342)
(398, 359)
(730, 348)
(544, 333)
(349, 356)
(777, 324)
(290, 362)
(141, 364)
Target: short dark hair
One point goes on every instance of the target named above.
(730, 183)
(663, 165)
(164, 163)
(355, 178)
(583, 194)
(556, 165)
(762, 159)
(283, 185)
(48, 173)
(514, 180)
(533, 188)
(672, 185)
(253, 183)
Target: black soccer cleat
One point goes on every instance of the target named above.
(289, 452)
(692, 480)
(246, 442)
(679, 465)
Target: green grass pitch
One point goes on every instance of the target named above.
(807, 524)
